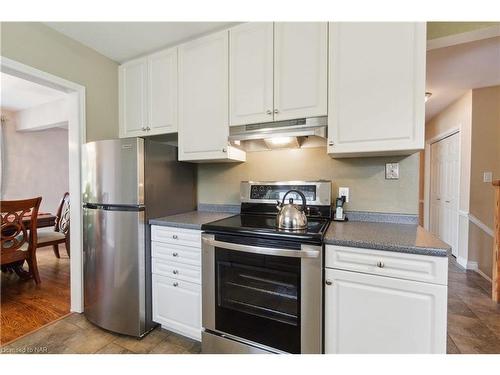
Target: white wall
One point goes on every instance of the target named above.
(44, 116)
(34, 164)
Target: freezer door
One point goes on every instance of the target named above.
(114, 172)
(114, 270)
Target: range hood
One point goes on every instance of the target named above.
(305, 127)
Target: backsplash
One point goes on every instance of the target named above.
(219, 183)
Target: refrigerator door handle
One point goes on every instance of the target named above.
(114, 207)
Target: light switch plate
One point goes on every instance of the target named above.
(392, 171)
(344, 191)
(487, 176)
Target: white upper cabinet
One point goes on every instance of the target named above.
(132, 98)
(162, 92)
(278, 71)
(300, 70)
(148, 95)
(251, 73)
(376, 88)
(204, 100)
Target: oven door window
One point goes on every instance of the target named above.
(258, 298)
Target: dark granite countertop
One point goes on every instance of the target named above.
(403, 238)
(190, 220)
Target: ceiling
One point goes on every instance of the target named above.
(452, 71)
(18, 94)
(122, 41)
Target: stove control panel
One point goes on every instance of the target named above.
(276, 192)
(316, 192)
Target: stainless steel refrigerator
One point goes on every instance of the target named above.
(126, 182)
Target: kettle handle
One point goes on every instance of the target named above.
(304, 205)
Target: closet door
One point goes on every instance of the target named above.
(251, 73)
(300, 69)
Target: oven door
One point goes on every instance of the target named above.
(263, 293)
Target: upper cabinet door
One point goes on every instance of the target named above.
(300, 70)
(376, 88)
(132, 97)
(251, 73)
(162, 92)
(204, 99)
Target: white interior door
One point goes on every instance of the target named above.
(444, 192)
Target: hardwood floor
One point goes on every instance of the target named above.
(26, 306)
(473, 321)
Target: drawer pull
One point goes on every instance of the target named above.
(175, 237)
(328, 282)
(175, 254)
(175, 272)
(176, 284)
(380, 264)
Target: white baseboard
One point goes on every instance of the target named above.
(485, 276)
(462, 262)
(473, 266)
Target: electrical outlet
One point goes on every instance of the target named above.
(344, 191)
(487, 176)
(392, 171)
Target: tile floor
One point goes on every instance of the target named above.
(75, 335)
(473, 327)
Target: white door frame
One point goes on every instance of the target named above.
(76, 138)
(427, 176)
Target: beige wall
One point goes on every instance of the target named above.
(369, 190)
(477, 114)
(34, 163)
(41, 47)
(485, 157)
(441, 29)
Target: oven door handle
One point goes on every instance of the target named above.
(304, 253)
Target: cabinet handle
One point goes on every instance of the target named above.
(330, 143)
(276, 111)
(175, 272)
(224, 149)
(143, 128)
(175, 254)
(175, 237)
(148, 128)
(447, 201)
(175, 284)
(328, 282)
(269, 112)
(380, 264)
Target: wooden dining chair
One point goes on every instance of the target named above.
(60, 232)
(18, 236)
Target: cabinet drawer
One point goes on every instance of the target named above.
(176, 253)
(404, 266)
(177, 306)
(179, 236)
(177, 271)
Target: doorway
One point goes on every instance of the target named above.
(444, 189)
(75, 94)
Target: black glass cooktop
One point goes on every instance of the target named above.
(265, 225)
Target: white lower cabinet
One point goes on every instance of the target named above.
(370, 313)
(176, 305)
(176, 280)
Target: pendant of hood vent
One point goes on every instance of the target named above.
(282, 142)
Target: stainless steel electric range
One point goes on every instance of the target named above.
(262, 286)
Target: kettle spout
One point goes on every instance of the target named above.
(279, 205)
